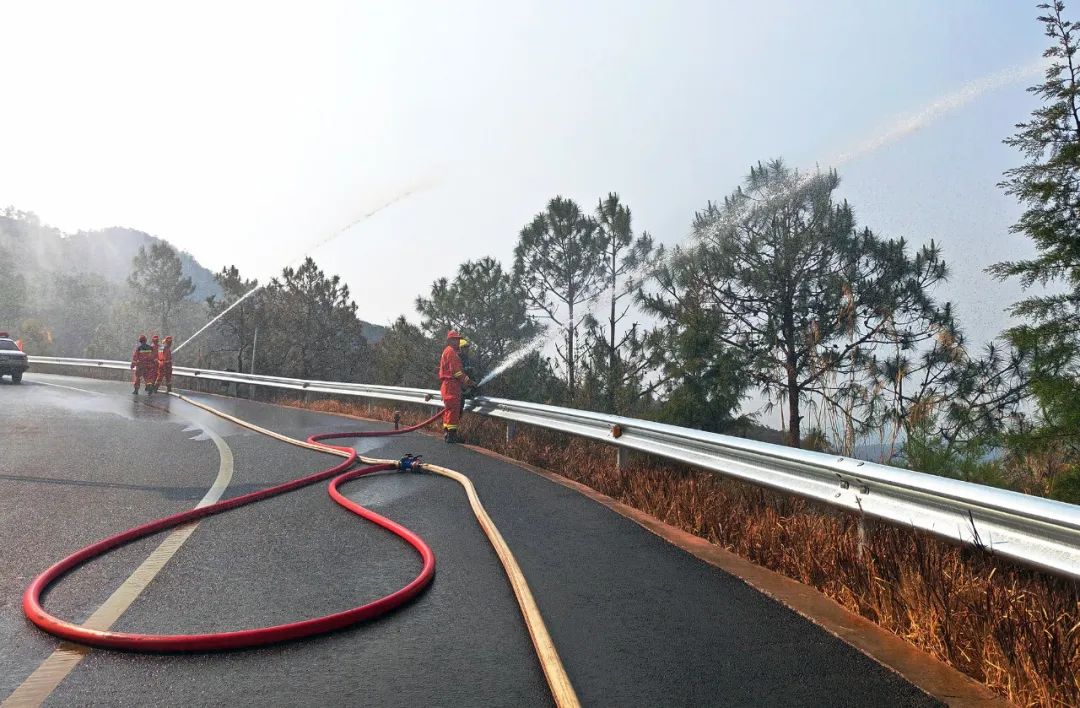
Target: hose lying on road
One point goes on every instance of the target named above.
(247, 637)
(559, 683)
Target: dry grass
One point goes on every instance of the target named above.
(1015, 629)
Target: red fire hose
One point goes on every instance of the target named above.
(246, 637)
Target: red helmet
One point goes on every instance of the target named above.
(142, 339)
(154, 338)
(168, 339)
(453, 334)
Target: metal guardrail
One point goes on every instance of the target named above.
(1038, 531)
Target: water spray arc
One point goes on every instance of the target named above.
(535, 344)
(221, 314)
(311, 247)
(938, 108)
(894, 131)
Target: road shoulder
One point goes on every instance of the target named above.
(931, 675)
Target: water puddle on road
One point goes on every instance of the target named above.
(382, 489)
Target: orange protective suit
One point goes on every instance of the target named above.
(451, 378)
(143, 366)
(164, 366)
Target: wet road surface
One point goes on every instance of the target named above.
(637, 621)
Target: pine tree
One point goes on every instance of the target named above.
(404, 356)
(159, 284)
(1048, 186)
(486, 304)
(312, 327)
(558, 262)
(795, 291)
(238, 327)
(616, 362)
(703, 380)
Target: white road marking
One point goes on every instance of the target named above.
(43, 681)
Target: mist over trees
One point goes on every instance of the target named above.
(780, 295)
(405, 356)
(72, 289)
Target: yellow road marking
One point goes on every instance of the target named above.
(39, 685)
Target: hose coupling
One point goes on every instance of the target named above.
(410, 462)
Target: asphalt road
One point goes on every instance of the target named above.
(637, 621)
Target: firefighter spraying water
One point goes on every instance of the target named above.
(452, 383)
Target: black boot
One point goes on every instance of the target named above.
(451, 436)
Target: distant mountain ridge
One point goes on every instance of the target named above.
(108, 252)
(37, 250)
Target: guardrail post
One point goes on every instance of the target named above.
(511, 431)
(620, 458)
(860, 533)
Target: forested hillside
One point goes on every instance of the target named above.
(40, 251)
(88, 293)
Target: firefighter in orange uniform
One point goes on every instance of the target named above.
(164, 366)
(141, 360)
(155, 348)
(452, 379)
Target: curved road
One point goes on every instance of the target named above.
(637, 621)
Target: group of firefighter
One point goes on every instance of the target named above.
(151, 364)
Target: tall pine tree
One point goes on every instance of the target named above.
(558, 262)
(159, 284)
(1048, 186)
(796, 293)
(615, 361)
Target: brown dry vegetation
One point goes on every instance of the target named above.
(1015, 629)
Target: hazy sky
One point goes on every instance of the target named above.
(244, 134)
